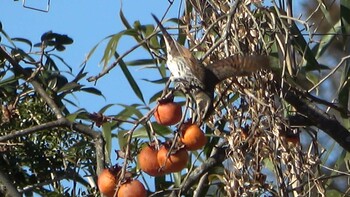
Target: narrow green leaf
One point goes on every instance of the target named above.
(122, 139)
(7, 37)
(158, 81)
(124, 20)
(343, 95)
(61, 60)
(80, 75)
(92, 90)
(130, 110)
(303, 48)
(113, 43)
(26, 41)
(177, 179)
(140, 62)
(326, 12)
(91, 52)
(130, 78)
(140, 133)
(107, 135)
(345, 17)
(71, 86)
(111, 48)
(326, 40)
(104, 109)
(73, 116)
(156, 96)
(160, 130)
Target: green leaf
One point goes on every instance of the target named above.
(124, 20)
(303, 48)
(156, 96)
(26, 41)
(92, 90)
(112, 45)
(91, 52)
(107, 135)
(62, 60)
(160, 130)
(343, 96)
(140, 133)
(177, 179)
(130, 78)
(80, 75)
(345, 17)
(7, 37)
(104, 109)
(122, 139)
(69, 87)
(158, 81)
(140, 62)
(326, 40)
(130, 110)
(73, 116)
(19, 54)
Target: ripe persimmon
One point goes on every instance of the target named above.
(107, 182)
(147, 160)
(168, 113)
(192, 136)
(176, 160)
(132, 188)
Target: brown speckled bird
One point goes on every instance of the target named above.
(200, 79)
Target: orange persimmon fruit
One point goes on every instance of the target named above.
(147, 160)
(132, 188)
(107, 182)
(176, 160)
(192, 136)
(168, 113)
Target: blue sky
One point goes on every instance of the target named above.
(87, 23)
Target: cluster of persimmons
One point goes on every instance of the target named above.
(157, 159)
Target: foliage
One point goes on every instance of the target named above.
(46, 156)
(270, 133)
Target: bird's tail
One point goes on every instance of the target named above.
(238, 65)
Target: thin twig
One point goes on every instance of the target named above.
(115, 63)
(37, 86)
(330, 73)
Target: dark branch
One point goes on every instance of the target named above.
(37, 86)
(217, 157)
(316, 116)
(62, 122)
(10, 188)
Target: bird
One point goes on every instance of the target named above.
(201, 80)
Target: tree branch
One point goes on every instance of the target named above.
(27, 131)
(10, 188)
(61, 120)
(37, 86)
(316, 116)
(217, 157)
